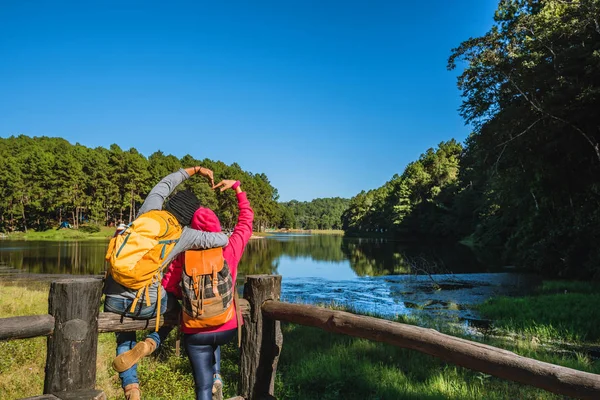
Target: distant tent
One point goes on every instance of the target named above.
(65, 224)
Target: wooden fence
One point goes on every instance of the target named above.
(74, 320)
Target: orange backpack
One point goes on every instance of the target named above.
(136, 254)
(208, 290)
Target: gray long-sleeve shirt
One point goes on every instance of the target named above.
(189, 239)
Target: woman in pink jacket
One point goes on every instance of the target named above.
(203, 345)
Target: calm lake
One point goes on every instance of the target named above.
(369, 275)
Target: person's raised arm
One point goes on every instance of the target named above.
(243, 228)
(162, 190)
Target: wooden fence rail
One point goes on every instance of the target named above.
(43, 325)
(473, 355)
(74, 321)
(26, 327)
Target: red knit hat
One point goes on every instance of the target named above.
(206, 220)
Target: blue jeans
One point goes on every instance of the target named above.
(204, 352)
(127, 340)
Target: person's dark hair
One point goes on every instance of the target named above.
(183, 205)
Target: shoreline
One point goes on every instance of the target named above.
(105, 233)
(73, 235)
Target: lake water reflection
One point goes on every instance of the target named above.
(370, 275)
(48, 257)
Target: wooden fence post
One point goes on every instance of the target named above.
(72, 348)
(261, 339)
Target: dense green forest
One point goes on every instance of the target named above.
(416, 202)
(316, 214)
(47, 180)
(528, 178)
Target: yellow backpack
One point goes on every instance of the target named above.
(136, 254)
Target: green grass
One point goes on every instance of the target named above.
(327, 231)
(63, 234)
(22, 361)
(314, 364)
(561, 311)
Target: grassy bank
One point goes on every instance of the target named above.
(103, 232)
(559, 311)
(314, 364)
(74, 234)
(310, 231)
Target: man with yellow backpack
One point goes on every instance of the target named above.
(137, 256)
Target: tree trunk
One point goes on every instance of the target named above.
(131, 207)
(23, 214)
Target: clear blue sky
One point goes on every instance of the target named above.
(327, 98)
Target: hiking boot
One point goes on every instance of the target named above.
(217, 389)
(127, 360)
(132, 391)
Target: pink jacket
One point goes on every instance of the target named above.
(232, 254)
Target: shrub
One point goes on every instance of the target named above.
(90, 228)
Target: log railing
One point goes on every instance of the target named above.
(473, 355)
(73, 323)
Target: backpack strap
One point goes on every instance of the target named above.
(158, 309)
(201, 299)
(215, 283)
(145, 292)
(165, 243)
(122, 244)
(135, 301)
